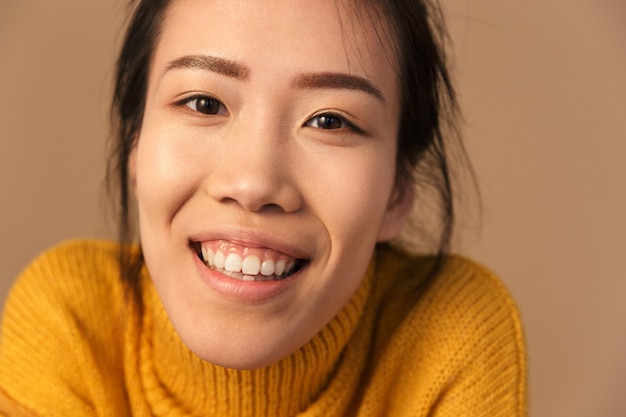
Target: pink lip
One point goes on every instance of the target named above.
(242, 291)
(247, 291)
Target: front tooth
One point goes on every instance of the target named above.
(251, 265)
(219, 260)
(267, 267)
(233, 263)
(280, 267)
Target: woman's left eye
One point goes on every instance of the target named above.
(205, 105)
(329, 121)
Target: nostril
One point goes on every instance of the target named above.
(272, 207)
(229, 200)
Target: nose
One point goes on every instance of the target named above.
(254, 173)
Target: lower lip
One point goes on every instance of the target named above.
(243, 291)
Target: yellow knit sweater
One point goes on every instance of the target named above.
(72, 346)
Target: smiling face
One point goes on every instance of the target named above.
(264, 171)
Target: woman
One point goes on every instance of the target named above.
(273, 150)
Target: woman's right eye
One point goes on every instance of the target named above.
(205, 105)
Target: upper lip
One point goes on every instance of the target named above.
(253, 239)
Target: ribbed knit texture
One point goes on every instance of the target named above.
(71, 345)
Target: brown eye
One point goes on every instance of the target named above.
(328, 121)
(205, 105)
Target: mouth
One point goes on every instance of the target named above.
(246, 263)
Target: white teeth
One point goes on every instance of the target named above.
(248, 268)
(280, 267)
(233, 263)
(267, 267)
(208, 256)
(251, 265)
(219, 260)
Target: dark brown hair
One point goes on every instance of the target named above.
(427, 135)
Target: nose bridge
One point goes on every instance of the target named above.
(252, 171)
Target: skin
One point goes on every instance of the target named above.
(263, 172)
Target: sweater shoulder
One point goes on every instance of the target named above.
(62, 327)
(461, 290)
(72, 272)
(459, 333)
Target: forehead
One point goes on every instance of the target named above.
(281, 35)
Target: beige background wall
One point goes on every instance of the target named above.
(543, 85)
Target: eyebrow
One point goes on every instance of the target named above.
(322, 80)
(210, 63)
(333, 80)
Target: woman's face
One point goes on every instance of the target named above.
(264, 171)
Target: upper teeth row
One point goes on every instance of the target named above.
(249, 265)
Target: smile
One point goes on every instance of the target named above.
(247, 263)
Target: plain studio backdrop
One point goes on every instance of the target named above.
(543, 88)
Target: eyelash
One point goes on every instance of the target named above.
(344, 123)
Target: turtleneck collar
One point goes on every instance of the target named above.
(321, 376)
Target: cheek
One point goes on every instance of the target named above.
(352, 192)
(349, 195)
(166, 171)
